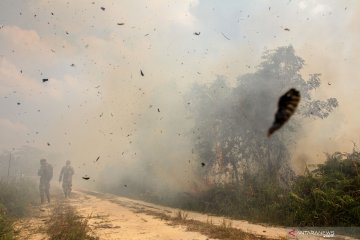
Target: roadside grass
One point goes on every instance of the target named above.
(331, 192)
(224, 231)
(181, 215)
(66, 224)
(6, 228)
(16, 197)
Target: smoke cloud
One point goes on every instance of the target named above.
(97, 103)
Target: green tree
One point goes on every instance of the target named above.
(237, 118)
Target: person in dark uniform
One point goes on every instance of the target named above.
(45, 172)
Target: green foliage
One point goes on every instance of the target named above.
(330, 194)
(258, 201)
(66, 224)
(327, 196)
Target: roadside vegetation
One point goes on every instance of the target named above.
(16, 197)
(6, 230)
(66, 224)
(332, 192)
(326, 196)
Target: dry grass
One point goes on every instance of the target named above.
(180, 215)
(6, 228)
(223, 231)
(16, 199)
(66, 224)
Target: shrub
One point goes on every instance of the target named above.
(17, 195)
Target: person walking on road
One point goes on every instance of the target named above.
(66, 177)
(46, 173)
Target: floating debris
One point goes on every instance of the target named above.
(203, 164)
(225, 36)
(45, 79)
(86, 178)
(48, 144)
(120, 24)
(286, 107)
(102, 8)
(106, 225)
(97, 159)
(141, 72)
(197, 33)
(158, 109)
(287, 29)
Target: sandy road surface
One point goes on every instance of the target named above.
(115, 217)
(113, 220)
(112, 217)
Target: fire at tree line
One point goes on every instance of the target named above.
(245, 174)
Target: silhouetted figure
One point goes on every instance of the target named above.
(46, 173)
(66, 177)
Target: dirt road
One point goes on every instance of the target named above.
(117, 217)
(113, 217)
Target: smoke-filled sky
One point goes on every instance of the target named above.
(97, 103)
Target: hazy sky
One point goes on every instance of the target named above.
(96, 103)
